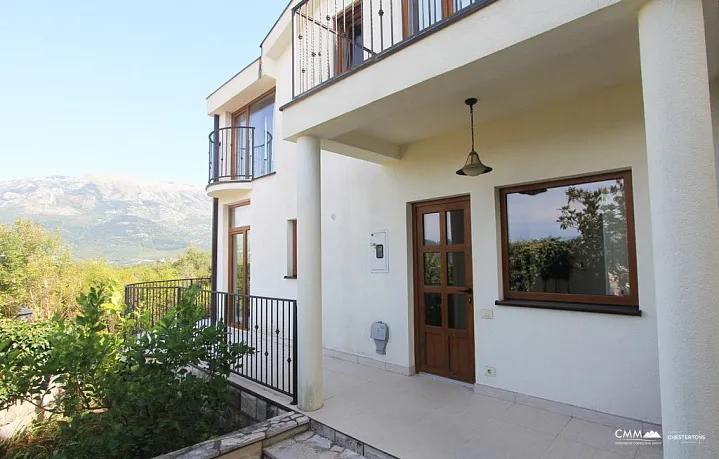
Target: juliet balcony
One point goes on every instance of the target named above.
(237, 156)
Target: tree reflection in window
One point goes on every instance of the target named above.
(569, 239)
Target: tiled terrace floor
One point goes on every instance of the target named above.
(426, 417)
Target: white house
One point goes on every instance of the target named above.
(582, 269)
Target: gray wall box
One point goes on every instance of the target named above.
(380, 333)
(379, 253)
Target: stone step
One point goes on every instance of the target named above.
(308, 445)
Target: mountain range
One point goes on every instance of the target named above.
(125, 221)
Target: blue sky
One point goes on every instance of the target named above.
(118, 87)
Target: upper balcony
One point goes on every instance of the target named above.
(372, 76)
(237, 156)
(332, 39)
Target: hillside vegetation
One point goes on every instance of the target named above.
(38, 271)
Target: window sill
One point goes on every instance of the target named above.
(290, 277)
(580, 307)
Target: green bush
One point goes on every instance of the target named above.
(531, 260)
(24, 351)
(126, 387)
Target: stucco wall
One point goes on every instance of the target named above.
(714, 87)
(602, 362)
(273, 203)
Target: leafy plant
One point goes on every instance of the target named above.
(127, 389)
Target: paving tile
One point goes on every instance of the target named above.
(424, 417)
(593, 434)
(525, 443)
(535, 418)
(562, 448)
(649, 452)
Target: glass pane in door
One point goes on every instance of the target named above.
(424, 13)
(430, 228)
(460, 4)
(432, 269)
(237, 316)
(262, 120)
(457, 311)
(238, 263)
(455, 227)
(433, 309)
(456, 269)
(239, 160)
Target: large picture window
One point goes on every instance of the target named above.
(570, 241)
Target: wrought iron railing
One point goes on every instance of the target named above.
(159, 297)
(234, 155)
(268, 325)
(333, 37)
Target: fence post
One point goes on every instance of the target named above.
(294, 353)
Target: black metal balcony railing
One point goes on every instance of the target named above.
(333, 37)
(269, 325)
(159, 297)
(235, 155)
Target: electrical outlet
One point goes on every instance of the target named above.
(490, 371)
(487, 314)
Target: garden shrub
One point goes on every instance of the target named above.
(127, 387)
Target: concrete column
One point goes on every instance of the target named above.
(309, 274)
(685, 221)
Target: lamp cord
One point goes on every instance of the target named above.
(471, 117)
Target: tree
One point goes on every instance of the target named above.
(33, 263)
(600, 218)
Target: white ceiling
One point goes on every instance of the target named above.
(594, 53)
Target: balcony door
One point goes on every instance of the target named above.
(253, 138)
(349, 37)
(444, 309)
(240, 162)
(236, 310)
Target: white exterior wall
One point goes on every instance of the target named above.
(272, 203)
(603, 362)
(714, 88)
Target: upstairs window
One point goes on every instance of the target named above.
(570, 241)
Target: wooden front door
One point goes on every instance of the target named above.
(444, 307)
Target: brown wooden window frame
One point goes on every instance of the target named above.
(536, 299)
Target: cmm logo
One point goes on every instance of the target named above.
(637, 435)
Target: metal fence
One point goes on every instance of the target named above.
(268, 325)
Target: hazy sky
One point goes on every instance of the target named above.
(118, 87)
